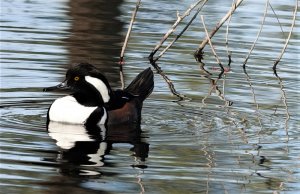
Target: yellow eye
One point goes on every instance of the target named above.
(76, 78)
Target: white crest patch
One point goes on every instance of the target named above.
(100, 86)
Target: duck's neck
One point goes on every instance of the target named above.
(88, 99)
(117, 99)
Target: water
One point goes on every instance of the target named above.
(192, 146)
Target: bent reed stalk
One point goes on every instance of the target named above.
(165, 37)
(121, 61)
(288, 38)
(199, 52)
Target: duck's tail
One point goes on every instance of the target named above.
(142, 85)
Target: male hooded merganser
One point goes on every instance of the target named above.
(94, 102)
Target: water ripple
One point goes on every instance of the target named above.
(230, 136)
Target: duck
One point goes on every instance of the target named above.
(92, 101)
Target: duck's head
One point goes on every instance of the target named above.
(90, 87)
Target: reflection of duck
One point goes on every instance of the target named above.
(131, 134)
(67, 135)
(87, 146)
(79, 145)
(93, 96)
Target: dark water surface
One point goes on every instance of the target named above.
(200, 145)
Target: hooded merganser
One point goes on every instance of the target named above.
(94, 102)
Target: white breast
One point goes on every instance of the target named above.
(68, 110)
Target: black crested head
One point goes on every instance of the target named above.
(90, 86)
(85, 69)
